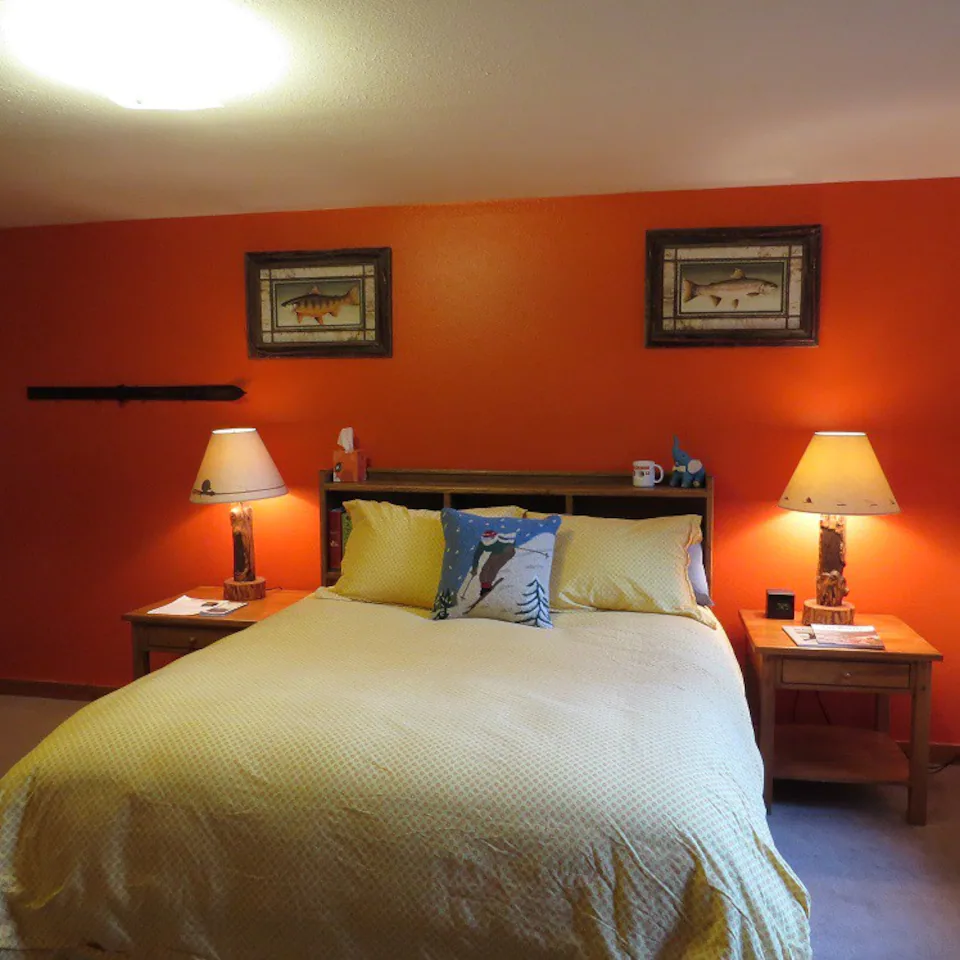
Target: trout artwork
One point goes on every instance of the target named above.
(317, 305)
(737, 287)
(733, 286)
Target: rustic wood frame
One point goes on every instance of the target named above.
(588, 494)
(379, 258)
(658, 331)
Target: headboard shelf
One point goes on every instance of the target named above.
(589, 494)
(442, 481)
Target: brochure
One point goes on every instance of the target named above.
(192, 606)
(836, 637)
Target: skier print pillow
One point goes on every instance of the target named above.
(498, 569)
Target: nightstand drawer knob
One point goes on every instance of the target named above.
(847, 675)
(194, 643)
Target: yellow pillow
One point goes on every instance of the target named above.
(639, 565)
(518, 513)
(394, 554)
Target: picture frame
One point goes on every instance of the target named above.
(319, 303)
(733, 286)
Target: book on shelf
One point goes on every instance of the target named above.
(335, 537)
(831, 636)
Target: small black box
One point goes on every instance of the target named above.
(780, 604)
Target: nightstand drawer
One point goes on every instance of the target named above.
(845, 673)
(180, 638)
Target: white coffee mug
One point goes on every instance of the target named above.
(645, 473)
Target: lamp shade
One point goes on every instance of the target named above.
(839, 474)
(236, 467)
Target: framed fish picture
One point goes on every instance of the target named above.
(733, 286)
(319, 303)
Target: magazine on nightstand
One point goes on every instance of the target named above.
(830, 636)
(193, 606)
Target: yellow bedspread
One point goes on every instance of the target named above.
(349, 780)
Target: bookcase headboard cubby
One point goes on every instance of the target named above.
(587, 494)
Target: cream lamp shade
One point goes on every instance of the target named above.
(236, 467)
(839, 475)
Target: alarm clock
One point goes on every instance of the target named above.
(780, 604)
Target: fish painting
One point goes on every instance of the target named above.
(317, 305)
(734, 289)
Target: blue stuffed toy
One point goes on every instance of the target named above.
(687, 472)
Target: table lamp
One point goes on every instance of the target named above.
(838, 476)
(236, 468)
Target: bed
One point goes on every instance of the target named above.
(356, 780)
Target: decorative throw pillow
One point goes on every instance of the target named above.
(496, 568)
(394, 553)
(639, 565)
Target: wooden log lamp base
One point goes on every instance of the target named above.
(830, 607)
(244, 584)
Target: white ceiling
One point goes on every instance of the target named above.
(411, 101)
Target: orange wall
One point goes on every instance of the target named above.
(518, 332)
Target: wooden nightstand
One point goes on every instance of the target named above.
(844, 754)
(151, 633)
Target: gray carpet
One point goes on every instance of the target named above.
(880, 889)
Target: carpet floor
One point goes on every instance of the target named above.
(880, 889)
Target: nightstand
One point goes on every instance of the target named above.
(844, 754)
(150, 633)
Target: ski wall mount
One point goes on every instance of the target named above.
(124, 394)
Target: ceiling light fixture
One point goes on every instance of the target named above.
(147, 54)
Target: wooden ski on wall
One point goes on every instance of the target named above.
(124, 394)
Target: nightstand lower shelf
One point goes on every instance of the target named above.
(837, 755)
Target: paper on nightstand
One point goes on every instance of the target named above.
(190, 607)
(843, 637)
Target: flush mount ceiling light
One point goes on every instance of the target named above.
(147, 54)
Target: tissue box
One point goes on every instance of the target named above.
(349, 467)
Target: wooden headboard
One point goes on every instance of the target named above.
(588, 494)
